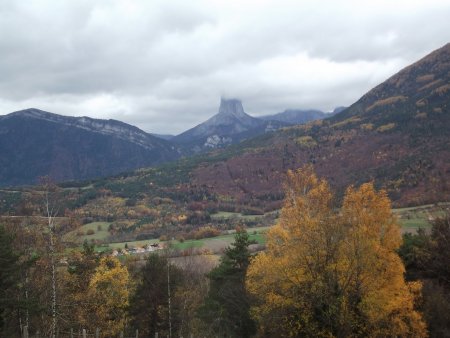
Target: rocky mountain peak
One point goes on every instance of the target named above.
(231, 107)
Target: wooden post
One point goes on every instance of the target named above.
(71, 333)
(84, 333)
(97, 333)
(137, 333)
(38, 334)
(156, 334)
(25, 331)
(121, 334)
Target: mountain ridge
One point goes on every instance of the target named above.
(36, 143)
(296, 116)
(108, 127)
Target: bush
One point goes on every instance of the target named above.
(90, 232)
(206, 232)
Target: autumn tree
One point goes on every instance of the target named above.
(329, 272)
(107, 294)
(50, 192)
(75, 283)
(189, 296)
(226, 307)
(33, 294)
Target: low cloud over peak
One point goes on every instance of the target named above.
(163, 66)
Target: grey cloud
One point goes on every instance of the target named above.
(163, 65)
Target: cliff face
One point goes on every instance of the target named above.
(114, 128)
(230, 125)
(35, 143)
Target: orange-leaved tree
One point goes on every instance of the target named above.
(108, 294)
(331, 272)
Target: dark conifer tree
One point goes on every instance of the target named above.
(226, 307)
(9, 280)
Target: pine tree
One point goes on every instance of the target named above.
(9, 279)
(150, 303)
(226, 307)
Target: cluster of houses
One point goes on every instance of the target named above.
(137, 250)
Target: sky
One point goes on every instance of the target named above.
(163, 65)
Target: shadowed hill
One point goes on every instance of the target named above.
(35, 143)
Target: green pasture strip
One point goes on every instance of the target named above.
(227, 215)
(195, 243)
(414, 223)
(253, 229)
(97, 235)
(133, 244)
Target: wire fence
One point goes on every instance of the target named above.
(79, 334)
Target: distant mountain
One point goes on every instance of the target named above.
(230, 125)
(396, 135)
(337, 110)
(36, 143)
(166, 137)
(296, 116)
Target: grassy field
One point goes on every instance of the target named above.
(414, 218)
(133, 244)
(228, 215)
(101, 234)
(410, 219)
(213, 244)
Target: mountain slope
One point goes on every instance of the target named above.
(35, 143)
(421, 88)
(230, 125)
(397, 135)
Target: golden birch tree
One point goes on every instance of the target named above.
(329, 272)
(108, 297)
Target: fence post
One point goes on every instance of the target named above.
(97, 333)
(38, 334)
(25, 331)
(137, 333)
(121, 334)
(71, 333)
(156, 334)
(84, 333)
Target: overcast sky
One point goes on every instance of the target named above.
(163, 65)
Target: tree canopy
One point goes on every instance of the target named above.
(331, 272)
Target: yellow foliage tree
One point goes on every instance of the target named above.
(108, 297)
(332, 273)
